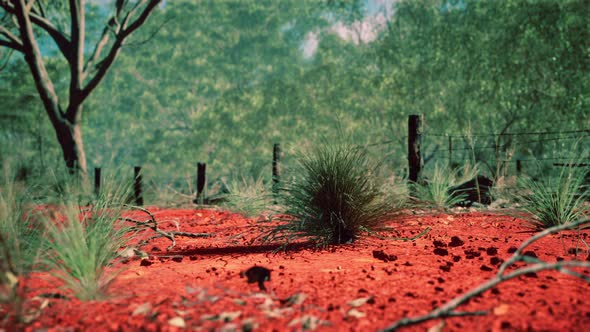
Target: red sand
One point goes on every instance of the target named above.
(198, 282)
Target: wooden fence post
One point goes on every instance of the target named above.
(137, 186)
(97, 181)
(450, 152)
(414, 147)
(276, 170)
(201, 182)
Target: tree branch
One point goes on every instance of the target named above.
(106, 63)
(60, 39)
(13, 41)
(77, 31)
(34, 60)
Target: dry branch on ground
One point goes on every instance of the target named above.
(153, 225)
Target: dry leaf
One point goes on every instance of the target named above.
(355, 313)
(438, 327)
(142, 309)
(359, 302)
(295, 299)
(228, 316)
(502, 309)
(177, 322)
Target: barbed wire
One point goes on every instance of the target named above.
(587, 131)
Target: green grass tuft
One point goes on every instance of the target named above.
(83, 241)
(558, 199)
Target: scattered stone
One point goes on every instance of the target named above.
(456, 242)
(379, 254)
(145, 262)
(492, 251)
(441, 252)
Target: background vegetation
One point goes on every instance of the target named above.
(221, 81)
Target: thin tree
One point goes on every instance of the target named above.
(22, 20)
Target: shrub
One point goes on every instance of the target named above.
(333, 196)
(556, 200)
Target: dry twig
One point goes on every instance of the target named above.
(153, 225)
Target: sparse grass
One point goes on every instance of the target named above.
(556, 200)
(435, 191)
(333, 197)
(247, 196)
(20, 244)
(82, 241)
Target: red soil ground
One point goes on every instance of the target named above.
(343, 288)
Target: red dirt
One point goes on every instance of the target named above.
(199, 280)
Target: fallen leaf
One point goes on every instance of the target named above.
(307, 322)
(228, 316)
(295, 299)
(438, 327)
(177, 322)
(355, 313)
(502, 309)
(359, 302)
(142, 309)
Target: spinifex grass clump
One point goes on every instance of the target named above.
(83, 240)
(557, 199)
(333, 197)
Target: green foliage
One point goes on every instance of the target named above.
(83, 241)
(247, 196)
(556, 200)
(333, 197)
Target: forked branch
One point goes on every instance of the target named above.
(153, 225)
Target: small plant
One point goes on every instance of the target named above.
(247, 196)
(556, 200)
(334, 197)
(83, 241)
(436, 190)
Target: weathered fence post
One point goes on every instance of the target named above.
(201, 182)
(450, 152)
(414, 147)
(276, 170)
(97, 181)
(137, 186)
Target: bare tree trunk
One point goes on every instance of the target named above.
(71, 142)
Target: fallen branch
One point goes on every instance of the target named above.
(448, 309)
(153, 225)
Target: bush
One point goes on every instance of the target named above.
(333, 197)
(556, 200)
